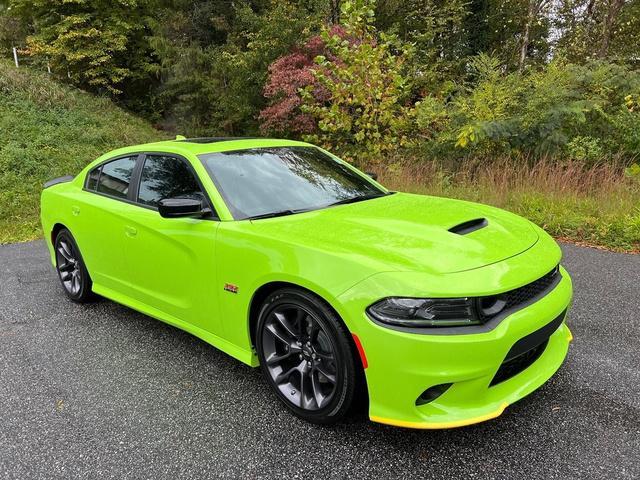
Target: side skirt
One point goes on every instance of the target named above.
(245, 356)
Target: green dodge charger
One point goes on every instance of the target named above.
(435, 312)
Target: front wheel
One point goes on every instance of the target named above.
(305, 355)
(71, 269)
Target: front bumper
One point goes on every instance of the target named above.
(401, 365)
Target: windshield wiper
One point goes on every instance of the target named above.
(280, 213)
(359, 199)
(283, 213)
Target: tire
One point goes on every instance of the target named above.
(71, 269)
(305, 354)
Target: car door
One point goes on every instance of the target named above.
(101, 209)
(172, 260)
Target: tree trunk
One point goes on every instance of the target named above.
(525, 36)
(334, 13)
(535, 6)
(613, 10)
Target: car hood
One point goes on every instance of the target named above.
(407, 232)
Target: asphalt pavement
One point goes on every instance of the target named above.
(101, 391)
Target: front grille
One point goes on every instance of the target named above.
(521, 295)
(518, 297)
(512, 367)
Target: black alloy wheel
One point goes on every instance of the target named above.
(71, 269)
(305, 355)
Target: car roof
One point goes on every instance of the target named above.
(203, 145)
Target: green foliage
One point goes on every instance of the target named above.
(434, 28)
(582, 23)
(586, 112)
(200, 66)
(633, 172)
(431, 117)
(212, 84)
(50, 130)
(424, 78)
(585, 149)
(581, 220)
(446, 34)
(367, 113)
(99, 44)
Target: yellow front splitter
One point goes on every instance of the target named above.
(441, 425)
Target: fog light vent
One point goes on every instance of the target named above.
(431, 393)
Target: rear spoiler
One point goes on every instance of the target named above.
(55, 181)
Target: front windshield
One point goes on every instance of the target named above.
(263, 181)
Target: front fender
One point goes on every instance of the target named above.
(247, 261)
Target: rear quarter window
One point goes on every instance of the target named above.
(92, 178)
(114, 177)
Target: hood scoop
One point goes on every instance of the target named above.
(469, 226)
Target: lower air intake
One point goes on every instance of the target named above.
(526, 351)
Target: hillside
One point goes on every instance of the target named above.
(48, 130)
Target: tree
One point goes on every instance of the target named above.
(213, 84)
(12, 32)
(334, 11)
(496, 28)
(367, 111)
(288, 76)
(437, 30)
(99, 43)
(598, 29)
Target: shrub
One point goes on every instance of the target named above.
(584, 111)
(367, 112)
(585, 149)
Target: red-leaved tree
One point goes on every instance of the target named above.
(287, 75)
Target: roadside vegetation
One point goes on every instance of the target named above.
(531, 105)
(596, 206)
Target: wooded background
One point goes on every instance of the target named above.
(445, 79)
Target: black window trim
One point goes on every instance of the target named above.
(134, 182)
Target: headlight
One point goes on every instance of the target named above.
(425, 312)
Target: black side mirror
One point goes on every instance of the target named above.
(372, 175)
(181, 207)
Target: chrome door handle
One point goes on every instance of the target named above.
(130, 231)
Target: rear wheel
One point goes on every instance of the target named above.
(305, 355)
(71, 269)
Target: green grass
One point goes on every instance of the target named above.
(49, 130)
